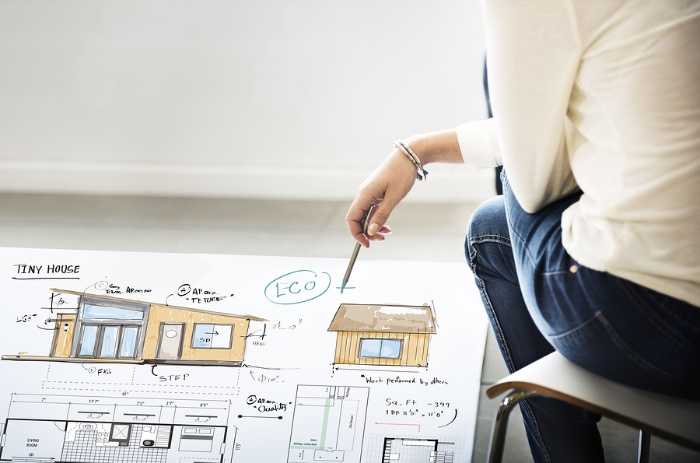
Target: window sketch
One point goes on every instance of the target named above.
(212, 336)
(380, 348)
(116, 430)
(106, 328)
(390, 335)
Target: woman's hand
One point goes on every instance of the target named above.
(392, 181)
(384, 188)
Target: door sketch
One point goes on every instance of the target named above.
(170, 341)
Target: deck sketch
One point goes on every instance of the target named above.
(116, 357)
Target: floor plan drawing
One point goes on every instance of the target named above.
(116, 430)
(329, 424)
(411, 450)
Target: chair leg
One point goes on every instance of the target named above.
(500, 424)
(644, 446)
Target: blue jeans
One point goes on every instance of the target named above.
(539, 299)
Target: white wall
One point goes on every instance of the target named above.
(232, 98)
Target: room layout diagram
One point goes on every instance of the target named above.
(412, 450)
(73, 429)
(328, 424)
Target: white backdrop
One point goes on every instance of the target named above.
(267, 98)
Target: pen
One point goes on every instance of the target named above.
(356, 251)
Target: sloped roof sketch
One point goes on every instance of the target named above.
(107, 297)
(383, 334)
(384, 318)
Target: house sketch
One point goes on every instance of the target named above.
(389, 335)
(72, 429)
(104, 328)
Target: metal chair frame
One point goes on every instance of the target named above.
(676, 420)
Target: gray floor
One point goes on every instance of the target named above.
(314, 229)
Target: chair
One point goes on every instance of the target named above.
(676, 420)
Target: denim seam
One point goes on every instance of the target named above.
(497, 326)
(528, 409)
(578, 329)
(507, 356)
(498, 332)
(480, 239)
(490, 238)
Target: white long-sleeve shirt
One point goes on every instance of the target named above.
(604, 96)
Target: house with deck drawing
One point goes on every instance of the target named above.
(112, 329)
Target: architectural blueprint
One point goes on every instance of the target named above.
(116, 357)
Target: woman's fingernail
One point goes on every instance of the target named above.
(372, 229)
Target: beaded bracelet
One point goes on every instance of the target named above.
(421, 173)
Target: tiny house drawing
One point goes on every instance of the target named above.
(390, 335)
(111, 329)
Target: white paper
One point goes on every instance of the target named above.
(287, 401)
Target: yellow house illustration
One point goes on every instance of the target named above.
(111, 329)
(389, 335)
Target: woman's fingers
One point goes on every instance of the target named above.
(384, 189)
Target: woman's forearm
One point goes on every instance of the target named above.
(436, 147)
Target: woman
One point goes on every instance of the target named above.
(593, 248)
